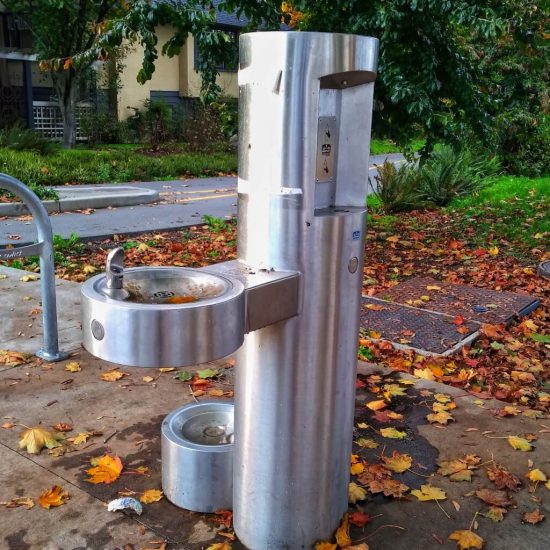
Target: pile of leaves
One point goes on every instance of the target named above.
(510, 363)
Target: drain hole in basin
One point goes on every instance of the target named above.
(209, 428)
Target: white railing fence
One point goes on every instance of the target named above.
(48, 121)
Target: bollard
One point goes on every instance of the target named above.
(43, 248)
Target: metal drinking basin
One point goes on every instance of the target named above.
(163, 317)
(197, 456)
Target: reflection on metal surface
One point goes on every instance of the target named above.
(327, 147)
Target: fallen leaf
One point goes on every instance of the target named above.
(519, 443)
(53, 497)
(429, 492)
(342, 533)
(35, 439)
(216, 393)
(397, 463)
(82, 437)
(392, 433)
(220, 546)
(503, 479)
(167, 369)
(356, 493)
(425, 374)
(112, 375)
(533, 517)
(375, 307)
(459, 470)
(183, 375)
(73, 366)
(151, 495)
(536, 475)
(467, 539)
(148, 379)
(495, 513)
(62, 427)
(377, 405)
(8, 425)
(28, 278)
(366, 443)
(207, 373)
(389, 487)
(359, 519)
(89, 269)
(323, 545)
(441, 417)
(25, 502)
(494, 497)
(106, 469)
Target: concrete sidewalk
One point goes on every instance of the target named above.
(124, 418)
(80, 197)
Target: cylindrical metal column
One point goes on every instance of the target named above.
(305, 115)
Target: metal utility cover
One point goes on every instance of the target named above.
(478, 304)
(408, 327)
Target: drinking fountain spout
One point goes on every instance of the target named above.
(114, 273)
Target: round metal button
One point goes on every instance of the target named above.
(353, 264)
(97, 330)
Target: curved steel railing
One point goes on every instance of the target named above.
(43, 248)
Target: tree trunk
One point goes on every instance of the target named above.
(66, 87)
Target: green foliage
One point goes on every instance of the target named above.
(23, 139)
(227, 111)
(104, 128)
(216, 224)
(72, 244)
(203, 131)
(119, 164)
(397, 188)
(449, 173)
(154, 124)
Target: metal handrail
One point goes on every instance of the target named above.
(44, 248)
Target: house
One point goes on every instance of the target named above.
(27, 95)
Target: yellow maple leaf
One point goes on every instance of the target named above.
(442, 397)
(82, 437)
(429, 492)
(167, 369)
(142, 247)
(357, 468)
(433, 287)
(397, 463)
(112, 375)
(495, 513)
(366, 443)
(147, 378)
(441, 417)
(547, 485)
(536, 475)
(27, 278)
(394, 415)
(393, 239)
(220, 546)
(519, 443)
(324, 545)
(377, 405)
(35, 439)
(393, 433)
(426, 374)
(89, 269)
(467, 539)
(493, 251)
(342, 533)
(73, 366)
(355, 493)
(151, 495)
(106, 469)
(216, 393)
(53, 497)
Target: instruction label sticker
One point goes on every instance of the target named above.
(327, 137)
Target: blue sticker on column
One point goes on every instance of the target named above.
(356, 235)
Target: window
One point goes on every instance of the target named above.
(14, 32)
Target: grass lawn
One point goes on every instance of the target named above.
(383, 146)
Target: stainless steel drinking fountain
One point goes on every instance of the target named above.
(293, 296)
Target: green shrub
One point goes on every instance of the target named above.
(448, 174)
(23, 139)
(104, 128)
(228, 112)
(103, 166)
(203, 130)
(397, 188)
(524, 142)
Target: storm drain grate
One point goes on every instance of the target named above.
(408, 327)
(433, 317)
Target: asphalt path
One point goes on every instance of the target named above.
(183, 203)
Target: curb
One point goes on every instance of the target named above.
(134, 196)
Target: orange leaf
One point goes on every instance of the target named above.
(68, 63)
(106, 469)
(112, 375)
(53, 497)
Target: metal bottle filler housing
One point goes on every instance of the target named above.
(305, 111)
